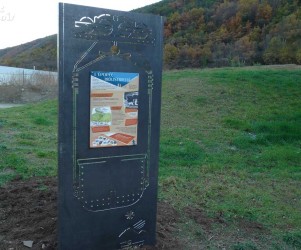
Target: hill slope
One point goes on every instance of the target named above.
(228, 33)
(202, 33)
(40, 53)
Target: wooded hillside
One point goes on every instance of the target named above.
(204, 33)
(40, 53)
(200, 33)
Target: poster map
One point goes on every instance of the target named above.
(113, 109)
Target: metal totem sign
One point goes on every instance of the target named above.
(110, 67)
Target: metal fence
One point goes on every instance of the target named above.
(24, 76)
(23, 86)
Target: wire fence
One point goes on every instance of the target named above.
(22, 85)
(24, 77)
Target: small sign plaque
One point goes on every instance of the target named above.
(113, 109)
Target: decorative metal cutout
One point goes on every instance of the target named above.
(137, 229)
(106, 27)
(97, 28)
(130, 215)
(131, 245)
(111, 191)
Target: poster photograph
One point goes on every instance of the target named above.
(113, 109)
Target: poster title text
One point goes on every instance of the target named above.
(108, 77)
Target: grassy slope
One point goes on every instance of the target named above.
(230, 146)
(28, 141)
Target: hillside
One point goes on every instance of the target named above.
(204, 33)
(40, 53)
(230, 32)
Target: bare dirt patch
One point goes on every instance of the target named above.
(221, 234)
(201, 218)
(28, 212)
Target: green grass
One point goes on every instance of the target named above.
(244, 126)
(29, 138)
(230, 146)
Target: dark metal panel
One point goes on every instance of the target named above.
(107, 195)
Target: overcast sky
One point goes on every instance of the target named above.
(22, 21)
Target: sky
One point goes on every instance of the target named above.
(23, 21)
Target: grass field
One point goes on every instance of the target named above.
(230, 153)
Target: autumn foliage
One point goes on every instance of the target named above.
(202, 33)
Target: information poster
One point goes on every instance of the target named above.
(113, 109)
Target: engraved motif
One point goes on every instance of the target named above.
(103, 198)
(130, 215)
(137, 229)
(129, 245)
(92, 29)
(106, 27)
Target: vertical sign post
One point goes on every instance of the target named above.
(110, 67)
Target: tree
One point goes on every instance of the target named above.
(245, 49)
(247, 9)
(286, 54)
(264, 14)
(225, 11)
(171, 54)
(271, 55)
(298, 56)
(234, 26)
